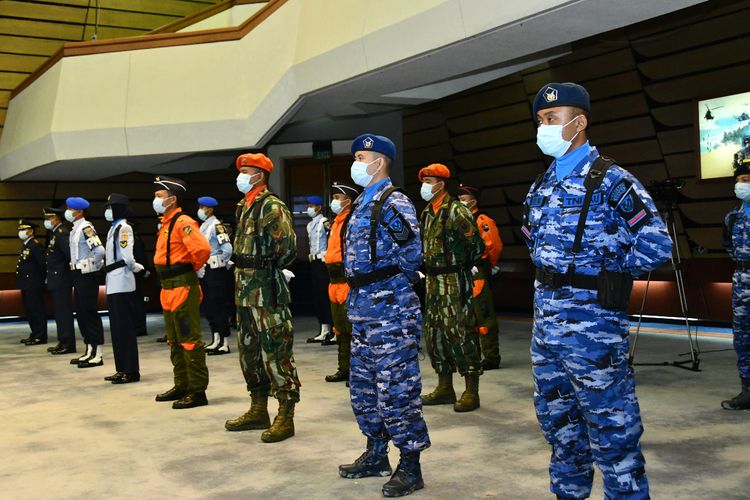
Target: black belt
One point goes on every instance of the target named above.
(336, 272)
(117, 265)
(742, 265)
(559, 280)
(435, 271)
(175, 270)
(250, 262)
(359, 280)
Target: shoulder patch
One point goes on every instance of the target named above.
(399, 229)
(187, 229)
(626, 202)
(89, 231)
(220, 228)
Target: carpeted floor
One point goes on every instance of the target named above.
(66, 433)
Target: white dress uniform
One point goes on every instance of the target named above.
(216, 284)
(317, 232)
(86, 260)
(121, 296)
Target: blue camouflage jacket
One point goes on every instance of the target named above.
(737, 234)
(398, 242)
(623, 231)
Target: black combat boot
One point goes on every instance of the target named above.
(741, 401)
(407, 478)
(372, 463)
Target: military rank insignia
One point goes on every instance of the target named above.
(629, 205)
(398, 228)
(188, 229)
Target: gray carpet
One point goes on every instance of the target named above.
(66, 433)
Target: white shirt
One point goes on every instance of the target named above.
(317, 232)
(121, 280)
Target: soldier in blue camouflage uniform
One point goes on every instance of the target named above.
(584, 389)
(380, 263)
(737, 242)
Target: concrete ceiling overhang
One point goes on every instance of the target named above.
(430, 74)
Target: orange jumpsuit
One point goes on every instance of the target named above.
(484, 306)
(181, 296)
(338, 289)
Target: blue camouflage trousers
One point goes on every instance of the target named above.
(585, 395)
(741, 321)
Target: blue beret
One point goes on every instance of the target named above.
(77, 203)
(208, 201)
(377, 143)
(553, 95)
(314, 200)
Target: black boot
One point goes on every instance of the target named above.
(372, 463)
(173, 394)
(741, 401)
(191, 400)
(407, 478)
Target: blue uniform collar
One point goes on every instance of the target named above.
(370, 191)
(567, 163)
(746, 207)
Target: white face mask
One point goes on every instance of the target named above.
(22, 235)
(359, 173)
(158, 227)
(742, 190)
(69, 216)
(202, 214)
(311, 212)
(48, 225)
(426, 192)
(337, 207)
(466, 203)
(158, 205)
(108, 215)
(245, 183)
(550, 140)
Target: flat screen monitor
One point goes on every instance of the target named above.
(723, 135)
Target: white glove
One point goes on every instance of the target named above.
(146, 275)
(137, 268)
(495, 270)
(230, 264)
(288, 275)
(474, 270)
(420, 274)
(201, 272)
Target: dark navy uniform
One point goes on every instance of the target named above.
(60, 282)
(30, 273)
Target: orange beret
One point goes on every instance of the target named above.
(435, 170)
(254, 160)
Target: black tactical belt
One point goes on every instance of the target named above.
(742, 265)
(175, 270)
(435, 271)
(111, 267)
(559, 280)
(250, 262)
(336, 272)
(359, 280)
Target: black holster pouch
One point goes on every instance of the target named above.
(613, 290)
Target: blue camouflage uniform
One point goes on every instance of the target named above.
(386, 322)
(737, 243)
(584, 389)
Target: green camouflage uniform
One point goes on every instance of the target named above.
(262, 297)
(450, 238)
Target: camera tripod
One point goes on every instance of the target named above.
(692, 364)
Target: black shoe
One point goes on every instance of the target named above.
(114, 376)
(26, 340)
(141, 332)
(191, 400)
(741, 401)
(36, 341)
(407, 478)
(161, 339)
(54, 348)
(89, 364)
(172, 394)
(490, 364)
(127, 378)
(314, 340)
(77, 361)
(339, 376)
(330, 339)
(372, 463)
(64, 350)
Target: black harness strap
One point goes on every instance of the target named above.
(342, 234)
(377, 208)
(591, 183)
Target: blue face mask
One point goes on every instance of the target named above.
(742, 191)
(550, 140)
